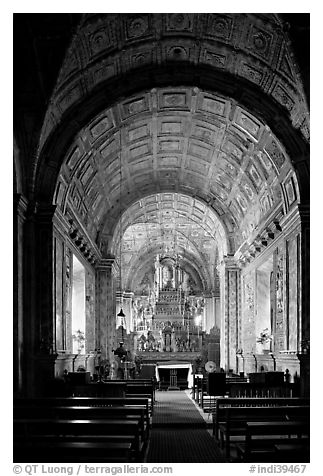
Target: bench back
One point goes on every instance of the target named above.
(256, 402)
(84, 401)
(242, 414)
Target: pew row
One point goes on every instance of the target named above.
(276, 441)
(39, 432)
(230, 415)
(94, 422)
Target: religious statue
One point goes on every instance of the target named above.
(167, 342)
(167, 276)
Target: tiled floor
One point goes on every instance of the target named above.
(179, 432)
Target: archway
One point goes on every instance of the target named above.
(215, 135)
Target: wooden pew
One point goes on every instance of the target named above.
(135, 388)
(116, 388)
(87, 401)
(236, 417)
(294, 450)
(80, 408)
(219, 413)
(231, 414)
(37, 429)
(62, 451)
(88, 412)
(258, 448)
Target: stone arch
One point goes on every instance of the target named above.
(262, 106)
(243, 56)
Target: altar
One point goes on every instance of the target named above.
(171, 319)
(173, 374)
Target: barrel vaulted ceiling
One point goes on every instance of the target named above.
(170, 223)
(185, 167)
(174, 139)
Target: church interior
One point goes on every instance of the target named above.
(161, 237)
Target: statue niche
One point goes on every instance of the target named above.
(167, 275)
(167, 339)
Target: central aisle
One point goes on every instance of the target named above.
(179, 433)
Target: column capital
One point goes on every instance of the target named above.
(45, 213)
(106, 264)
(228, 262)
(127, 294)
(60, 221)
(297, 217)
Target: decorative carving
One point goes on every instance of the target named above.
(265, 203)
(251, 73)
(290, 191)
(305, 129)
(234, 150)
(265, 161)
(174, 100)
(220, 26)
(286, 66)
(99, 40)
(248, 124)
(73, 158)
(141, 58)
(215, 59)
(254, 177)
(280, 285)
(249, 295)
(242, 202)
(213, 106)
(275, 153)
(135, 107)
(102, 126)
(248, 190)
(283, 97)
(137, 27)
(260, 41)
(179, 22)
(104, 72)
(177, 52)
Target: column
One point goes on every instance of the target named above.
(20, 208)
(209, 311)
(39, 315)
(106, 308)
(127, 309)
(305, 302)
(296, 357)
(230, 295)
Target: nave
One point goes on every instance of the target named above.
(136, 422)
(161, 226)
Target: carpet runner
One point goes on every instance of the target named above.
(179, 433)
